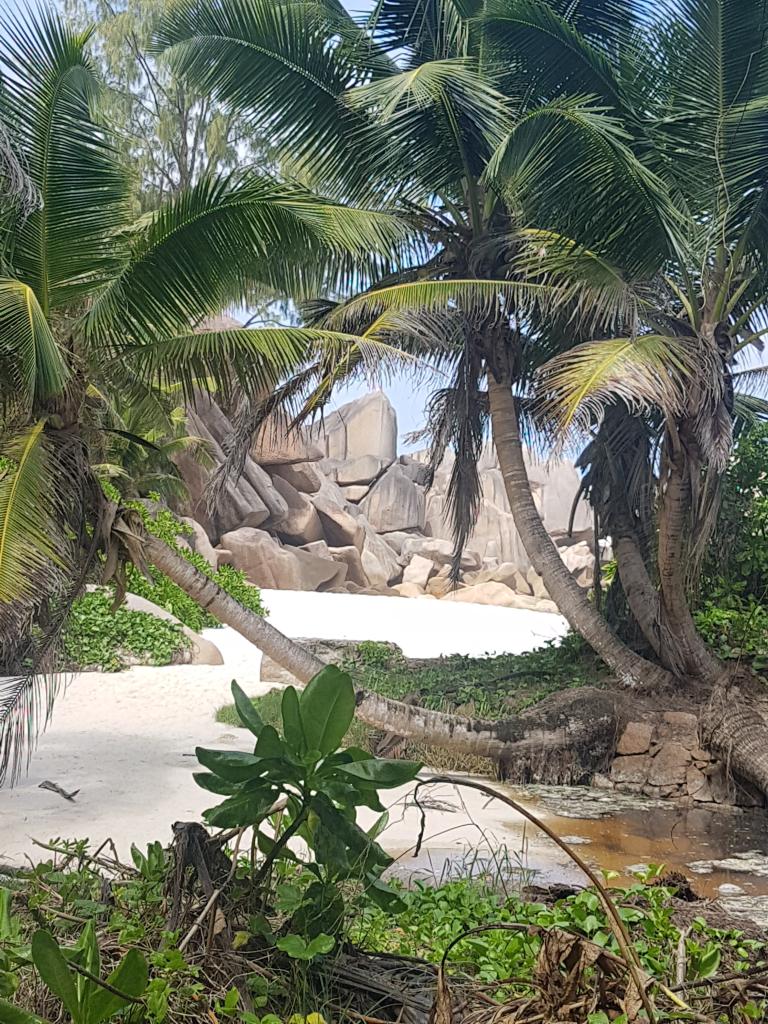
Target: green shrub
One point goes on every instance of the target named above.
(98, 637)
(165, 593)
(737, 557)
(736, 628)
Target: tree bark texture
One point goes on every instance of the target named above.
(682, 648)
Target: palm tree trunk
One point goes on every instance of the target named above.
(584, 720)
(682, 648)
(629, 668)
(642, 596)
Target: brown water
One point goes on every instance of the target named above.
(615, 833)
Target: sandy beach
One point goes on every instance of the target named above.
(126, 740)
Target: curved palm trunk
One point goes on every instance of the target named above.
(629, 668)
(585, 720)
(642, 597)
(682, 647)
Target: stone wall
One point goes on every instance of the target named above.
(661, 757)
(335, 508)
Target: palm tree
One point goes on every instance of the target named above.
(97, 309)
(616, 235)
(413, 107)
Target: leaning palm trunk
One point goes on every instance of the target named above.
(586, 720)
(629, 668)
(642, 598)
(683, 649)
(567, 737)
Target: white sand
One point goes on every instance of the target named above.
(123, 739)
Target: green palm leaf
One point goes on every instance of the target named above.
(257, 360)
(569, 164)
(49, 88)
(207, 247)
(556, 54)
(446, 113)
(282, 65)
(29, 510)
(31, 362)
(648, 372)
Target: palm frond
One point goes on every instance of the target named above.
(645, 373)
(556, 56)
(446, 114)
(569, 165)
(70, 243)
(753, 380)
(427, 29)
(484, 301)
(32, 367)
(605, 300)
(255, 360)
(281, 65)
(709, 118)
(205, 248)
(30, 509)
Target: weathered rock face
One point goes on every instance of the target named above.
(270, 564)
(199, 541)
(301, 523)
(304, 476)
(394, 502)
(499, 596)
(276, 445)
(661, 757)
(341, 525)
(335, 508)
(360, 470)
(365, 427)
(380, 562)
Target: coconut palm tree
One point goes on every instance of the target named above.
(620, 223)
(94, 303)
(414, 106)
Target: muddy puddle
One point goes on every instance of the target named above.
(724, 852)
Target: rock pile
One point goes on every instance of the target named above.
(661, 757)
(335, 508)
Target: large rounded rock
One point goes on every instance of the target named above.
(438, 551)
(506, 573)
(394, 502)
(340, 526)
(499, 596)
(200, 651)
(367, 426)
(301, 524)
(361, 470)
(276, 445)
(418, 571)
(270, 564)
(249, 501)
(199, 541)
(380, 563)
(304, 476)
(351, 557)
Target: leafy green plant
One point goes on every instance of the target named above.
(736, 628)
(162, 523)
(100, 636)
(72, 975)
(321, 785)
